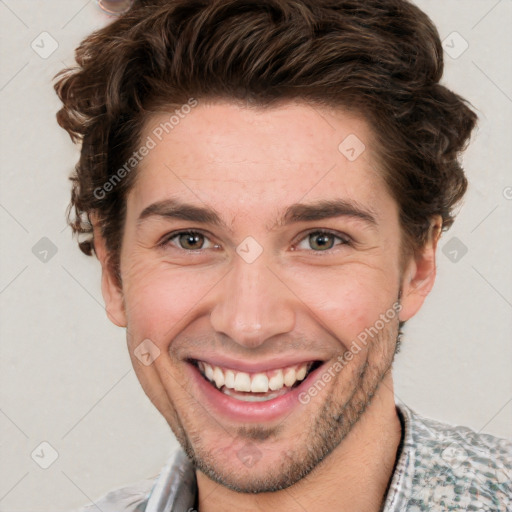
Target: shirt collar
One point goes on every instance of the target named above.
(176, 486)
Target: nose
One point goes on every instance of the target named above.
(252, 304)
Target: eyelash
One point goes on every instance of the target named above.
(344, 239)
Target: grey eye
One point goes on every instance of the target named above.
(321, 241)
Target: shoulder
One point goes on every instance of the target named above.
(174, 486)
(454, 467)
(131, 498)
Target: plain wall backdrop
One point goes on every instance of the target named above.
(65, 375)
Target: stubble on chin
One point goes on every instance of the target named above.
(319, 437)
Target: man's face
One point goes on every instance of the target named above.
(264, 283)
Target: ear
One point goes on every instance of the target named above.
(112, 293)
(420, 273)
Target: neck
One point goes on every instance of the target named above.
(354, 476)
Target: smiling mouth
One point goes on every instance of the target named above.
(255, 387)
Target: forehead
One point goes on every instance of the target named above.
(253, 160)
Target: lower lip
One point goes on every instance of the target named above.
(238, 410)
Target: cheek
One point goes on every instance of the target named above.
(347, 300)
(160, 299)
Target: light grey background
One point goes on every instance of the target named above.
(65, 375)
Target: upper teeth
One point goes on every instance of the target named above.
(260, 382)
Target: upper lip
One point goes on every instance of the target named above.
(248, 366)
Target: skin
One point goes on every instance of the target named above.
(249, 164)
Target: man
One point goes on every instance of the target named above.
(264, 184)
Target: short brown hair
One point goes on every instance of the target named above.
(380, 58)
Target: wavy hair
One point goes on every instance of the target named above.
(380, 58)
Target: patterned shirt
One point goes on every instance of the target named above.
(439, 468)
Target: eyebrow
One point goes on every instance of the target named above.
(298, 212)
(326, 209)
(175, 209)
